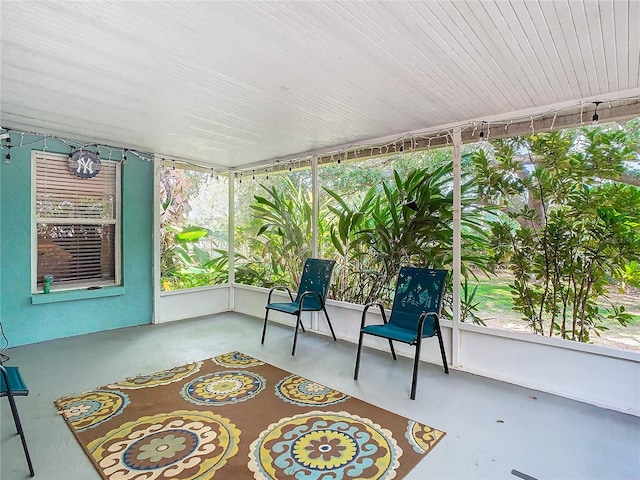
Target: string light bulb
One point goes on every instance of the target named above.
(594, 120)
(481, 136)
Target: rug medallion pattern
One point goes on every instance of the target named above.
(90, 409)
(223, 388)
(311, 444)
(303, 392)
(236, 417)
(163, 377)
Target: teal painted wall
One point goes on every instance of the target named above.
(26, 323)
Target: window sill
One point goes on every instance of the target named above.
(79, 294)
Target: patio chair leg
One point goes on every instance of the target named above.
(393, 352)
(329, 322)
(416, 363)
(355, 373)
(295, 335)
(442, 352)
(264, 327)
(16, 420)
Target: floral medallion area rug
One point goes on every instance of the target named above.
(235, 417)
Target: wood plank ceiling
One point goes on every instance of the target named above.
(231, 84)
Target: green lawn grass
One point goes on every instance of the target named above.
(494, 296)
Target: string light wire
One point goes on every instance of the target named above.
(342, 154)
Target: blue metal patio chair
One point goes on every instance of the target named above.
(12, 385)
(311, 296)
(415, 315)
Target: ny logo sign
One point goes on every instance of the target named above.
(84, 164)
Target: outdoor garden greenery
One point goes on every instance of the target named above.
(559, 210)
(191, 255)
(568, 228)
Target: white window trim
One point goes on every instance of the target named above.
(34, 230)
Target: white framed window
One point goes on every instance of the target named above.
(76, 224)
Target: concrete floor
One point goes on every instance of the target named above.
(492, 427)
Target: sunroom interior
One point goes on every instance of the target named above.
(243, 91)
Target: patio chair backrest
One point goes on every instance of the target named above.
(418, 290)
(316, 277)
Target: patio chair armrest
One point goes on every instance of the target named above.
(366, 308)
(306, 294)
(423, 317)
(279, 287)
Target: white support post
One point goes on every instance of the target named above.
(315, 205)
(457, 245)
(232, 240)
(155, 317)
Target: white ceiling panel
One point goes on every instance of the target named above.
(238, 83)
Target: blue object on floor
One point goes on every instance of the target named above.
(12, 385)
(415, 315)
(311, 296)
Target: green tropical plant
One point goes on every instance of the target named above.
(283, 240)
(346, 227)
(469, 305)
(405, 222)
(185, 264)
(189, 255)
(568, 229)
(412, 224)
